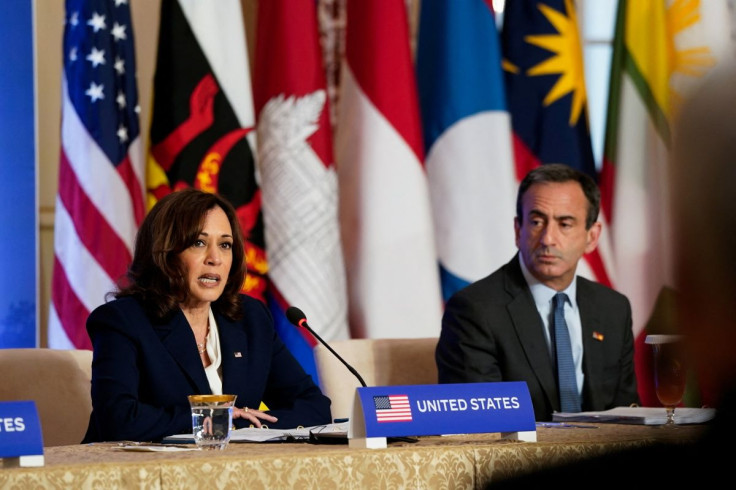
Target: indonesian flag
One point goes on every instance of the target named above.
(298, 176)
(662, 49)
(388, 240)
(467, 135)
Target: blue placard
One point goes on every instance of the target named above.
(419, 410)
(20, 430)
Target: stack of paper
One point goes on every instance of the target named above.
(272, 435)
(638, 415)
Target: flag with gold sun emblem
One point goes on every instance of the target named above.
(662, 49)
(545, 91)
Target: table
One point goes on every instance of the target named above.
(463, 461)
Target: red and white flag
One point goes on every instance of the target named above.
(298, 179)
(385, 217)
(100, 200)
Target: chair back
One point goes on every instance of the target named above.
(380, 362)
(59, 381)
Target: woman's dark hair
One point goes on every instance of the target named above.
(156, 276)
(560, 173)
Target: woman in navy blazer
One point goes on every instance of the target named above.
(180, 327)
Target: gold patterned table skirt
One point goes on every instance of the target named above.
(468, 461)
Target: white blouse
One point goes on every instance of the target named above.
(213, 372)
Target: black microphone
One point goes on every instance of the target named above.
(299, 319)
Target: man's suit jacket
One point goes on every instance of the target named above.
(143, 370)
(492, 331)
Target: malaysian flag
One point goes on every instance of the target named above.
(100, 200)
(392, 408)
(547, 99)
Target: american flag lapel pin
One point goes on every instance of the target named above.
(238, 354)
(598, 336)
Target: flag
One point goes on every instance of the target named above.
(385, 215)
(100, 201)
(298, 177)
(203, 117)
(392, 408)
(661, 50)
(545, 89)
(467, 138)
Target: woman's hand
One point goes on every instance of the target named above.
(255, 416)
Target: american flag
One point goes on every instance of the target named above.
(100, 200)
(392, 408)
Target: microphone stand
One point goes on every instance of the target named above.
(297, 318)
(350, 368)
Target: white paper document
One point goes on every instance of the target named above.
(638, 415)
(252, 434)
(151, 447)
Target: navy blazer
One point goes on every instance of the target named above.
(492, 331)
(143, 370)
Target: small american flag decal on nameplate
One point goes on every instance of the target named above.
(392, 408)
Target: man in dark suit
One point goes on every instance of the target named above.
(704, 218)
(500, 328)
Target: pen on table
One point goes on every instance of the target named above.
(564, 425)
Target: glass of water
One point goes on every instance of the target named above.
(212, 417)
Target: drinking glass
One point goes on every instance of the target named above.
(212, 418)
(670, 371)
